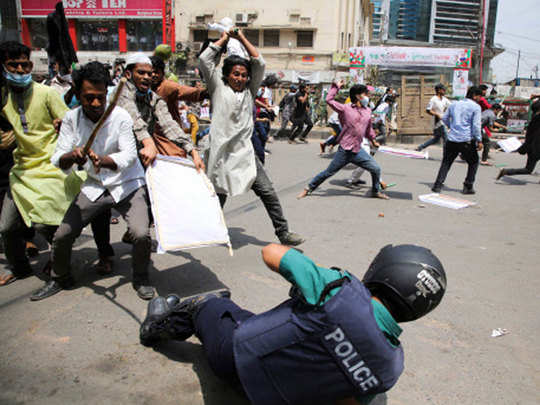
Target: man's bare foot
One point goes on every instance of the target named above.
(380, 195)
(323, 147)
(303, 194)
(383, 185)
(486, 163)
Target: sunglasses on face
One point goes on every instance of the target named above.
(14, 64)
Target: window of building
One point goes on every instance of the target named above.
(143, 35)
(304, 39)
(342, 36)
(294, 18)
(200, 35)
(38, 28)
(252, 36)
(348, 41)
(96, 35)
(271, 38)
(200, 19)
(305, 20)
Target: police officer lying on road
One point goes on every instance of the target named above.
(334, 341)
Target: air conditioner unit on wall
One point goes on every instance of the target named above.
(241, 18)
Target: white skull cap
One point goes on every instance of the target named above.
(138, 57)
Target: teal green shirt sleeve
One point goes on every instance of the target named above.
(301, 271)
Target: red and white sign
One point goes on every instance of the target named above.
(95, 8)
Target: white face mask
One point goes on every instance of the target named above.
(364, 101)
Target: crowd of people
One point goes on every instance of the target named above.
(335, 328)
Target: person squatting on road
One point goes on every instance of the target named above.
(233, 166)
(336, 340)
(355, 119)
(115, 179)
(463, 118)
(531, 146)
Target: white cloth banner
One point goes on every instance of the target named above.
(461, 80)
(458, 58)
(445, 201)
(186, 208)
(357, 75)
(509, 144)
(404, 152)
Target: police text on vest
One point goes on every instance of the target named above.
(345, 353)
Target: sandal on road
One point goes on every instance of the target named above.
(7, 277)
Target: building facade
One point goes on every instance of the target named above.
(101, 30)
(292, 35)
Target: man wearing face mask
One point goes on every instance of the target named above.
(63, 85)
(37, 195)
(356, 121)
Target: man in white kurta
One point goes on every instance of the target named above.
(232, 165)
(115, 180)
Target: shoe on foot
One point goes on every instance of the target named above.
(290, 239)
(50, 288)
(31, 249)
(379, 194)
(7, 277)
(155, 325)
(270, 139)
(468, 190)
(358, 182)
(291, 141)
(144, 291)
(303, 140)
(104, 266)
(305, 192)
(436, 189)
(418, 149)
(172, 300)
(501, 173)
(383, 185)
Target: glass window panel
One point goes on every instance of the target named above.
(95, 35)
(38, 32)
(271, 38)
(252, 36)
(143, 35)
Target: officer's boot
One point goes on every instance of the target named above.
(155, 325)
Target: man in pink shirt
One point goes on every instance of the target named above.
(355, 119)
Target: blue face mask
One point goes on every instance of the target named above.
(364, 101)
(18, 80)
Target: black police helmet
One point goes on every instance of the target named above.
(408, 279)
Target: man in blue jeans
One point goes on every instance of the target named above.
(355, 119)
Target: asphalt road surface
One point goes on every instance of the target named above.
(81, 346)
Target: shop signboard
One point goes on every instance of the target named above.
(396, 56)
(95, 8)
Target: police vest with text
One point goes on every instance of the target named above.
(298, 353)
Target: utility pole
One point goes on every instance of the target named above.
(517, 67)
(482, 39)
